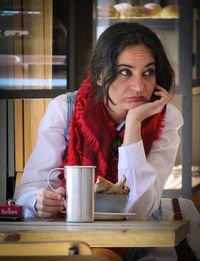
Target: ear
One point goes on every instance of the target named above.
(99, 81)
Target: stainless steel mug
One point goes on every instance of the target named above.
(80, 193)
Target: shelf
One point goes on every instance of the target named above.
(30, 93)
(154, 23)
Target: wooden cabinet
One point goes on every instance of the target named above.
(27, 117)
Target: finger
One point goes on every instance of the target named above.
(161, 89)
(158, 87)
(43, 214)
(60, 191)
(47, 193)
(170, 92)
(164, 95)
(50, 202)
(49, 208)
(47, 211)
(158, 105)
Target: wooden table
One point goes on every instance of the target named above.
(126, 233)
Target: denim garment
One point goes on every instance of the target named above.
(136, 253)
(71, 98)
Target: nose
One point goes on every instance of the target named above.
(137, 84)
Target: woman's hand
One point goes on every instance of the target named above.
(136, 115)
(49, 203)
(148, 109)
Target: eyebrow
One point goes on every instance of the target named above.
(130, 66)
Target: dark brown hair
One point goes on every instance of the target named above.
(113, 41)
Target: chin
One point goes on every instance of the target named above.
(135, 105)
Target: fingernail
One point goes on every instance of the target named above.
(59, 196)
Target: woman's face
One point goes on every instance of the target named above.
(136, 79)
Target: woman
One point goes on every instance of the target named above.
(122, 123)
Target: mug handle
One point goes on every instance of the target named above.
(48, 179)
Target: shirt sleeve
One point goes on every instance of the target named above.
(46, 155)
(146, 176)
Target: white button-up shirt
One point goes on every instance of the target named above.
(146, 176)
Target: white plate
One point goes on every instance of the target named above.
(112, 216)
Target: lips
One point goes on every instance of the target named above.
(137, 99)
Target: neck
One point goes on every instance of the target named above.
(117, 116)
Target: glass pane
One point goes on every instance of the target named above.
(33, 46)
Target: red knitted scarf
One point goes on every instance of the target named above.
(92, 132)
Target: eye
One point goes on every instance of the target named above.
(149, 72)
(125, 72)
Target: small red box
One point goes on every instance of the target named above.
(11, 211)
